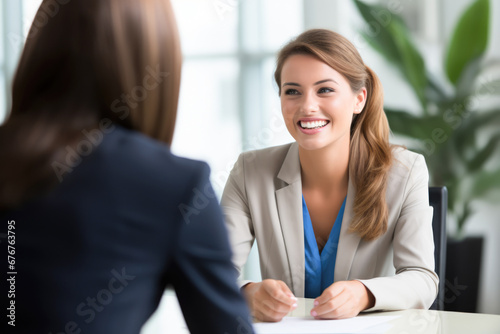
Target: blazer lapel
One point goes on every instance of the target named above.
(289, 204)
(348, 242)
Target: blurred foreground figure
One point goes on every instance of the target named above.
(100, 217)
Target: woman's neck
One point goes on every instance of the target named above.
(325, 170)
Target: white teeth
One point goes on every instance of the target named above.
(313, 124)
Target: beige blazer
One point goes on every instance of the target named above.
(262, 201)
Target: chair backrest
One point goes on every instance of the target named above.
(438, 199)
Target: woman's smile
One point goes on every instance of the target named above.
(312, 126)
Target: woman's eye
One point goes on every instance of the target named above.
(291, 92)
(325, 90)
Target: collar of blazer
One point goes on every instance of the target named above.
(289, 203)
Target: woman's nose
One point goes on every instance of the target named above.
(309, 104)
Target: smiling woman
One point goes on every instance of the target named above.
(314, 56)
(328, 210)
(312, 107)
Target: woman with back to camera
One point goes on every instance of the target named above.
(104, 215)
(333, 209)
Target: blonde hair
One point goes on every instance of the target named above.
(370, 152)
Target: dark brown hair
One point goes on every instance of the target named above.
(370, 154)
(91, 60)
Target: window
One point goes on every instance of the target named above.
(16, 18)
(228, 99)
(3, 91)
(30, 7)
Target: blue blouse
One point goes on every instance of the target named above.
(320, 268)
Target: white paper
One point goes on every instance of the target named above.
(301, 325)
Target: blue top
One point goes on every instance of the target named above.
(320, 268)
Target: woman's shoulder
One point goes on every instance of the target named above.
(406, 162)
(148, 156)
(267, 160)
(404, 156)
(277, 152)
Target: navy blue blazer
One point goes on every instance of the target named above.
(96, 253)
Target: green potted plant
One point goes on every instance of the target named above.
(454, 129)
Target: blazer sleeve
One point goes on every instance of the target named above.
(415, 284)
(205, 279)
(237, 215)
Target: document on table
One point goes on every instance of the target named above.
(295, 325)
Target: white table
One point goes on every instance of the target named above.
(168, 319)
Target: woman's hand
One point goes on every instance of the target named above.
(269, 300)
(344, 299)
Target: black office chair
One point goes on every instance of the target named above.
(438, 199)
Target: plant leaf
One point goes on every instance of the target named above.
(484, 154)
(390, 37)
(462, 218)
(469, 40)
(430, 131)
(489, 88)
(484, 182)
(481, 118)
(435, 91)
(413, 126)
(376, 33)
(465, 83)
(473, 122)
(412, 62)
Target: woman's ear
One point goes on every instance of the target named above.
(360, 100)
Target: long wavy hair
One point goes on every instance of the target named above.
(370, 155)
(84, 62)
